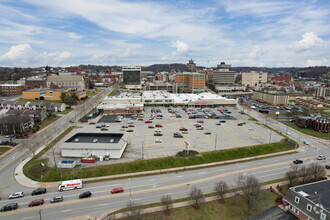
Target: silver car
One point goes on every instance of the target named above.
(16, 195)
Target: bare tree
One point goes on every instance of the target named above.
(167, 203)
(304, 174)
(197, 197)
(292, 175)
(316, 170)
(133, 211)
(111, 217)
(221, 188)
(250, 187)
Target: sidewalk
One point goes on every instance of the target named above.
(188, 203)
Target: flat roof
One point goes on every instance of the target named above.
(90, 137)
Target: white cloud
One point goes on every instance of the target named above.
(128, 52)
(181, 48)
(24, 55)
(256, 52)
(309, 41)
(323, 62)
(74, 35)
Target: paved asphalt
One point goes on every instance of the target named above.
(148, 189)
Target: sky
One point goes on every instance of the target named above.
(262, 33)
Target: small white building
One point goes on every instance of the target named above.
(99, 145)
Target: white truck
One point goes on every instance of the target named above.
(71, 184)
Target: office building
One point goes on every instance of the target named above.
(271, 98)
(132, 77)
(191, 66)
(254, 78)
(10, 89)
(224, 74)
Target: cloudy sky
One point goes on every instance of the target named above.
(272, 33)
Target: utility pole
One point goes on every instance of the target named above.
(142, 142)
(39, 214)
(129, 184)
(270, 135)
(54, 157)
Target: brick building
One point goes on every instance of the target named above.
(33, 83)
(317, 123)
(190, 82)
(11, 89)
(309, 201)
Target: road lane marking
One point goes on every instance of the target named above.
(27, 217)
(272, 174)
(68, 210)
(179, 176)
(104, 204)
(152, 180)
(201, 173)
(151, 190)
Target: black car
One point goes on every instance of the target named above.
(177, 135)
(8, 207)
(298, 161)
(151, 126)
(86, 194)
(39, 191)
(158, 134)
(56, 199)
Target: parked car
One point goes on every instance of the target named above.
(158, 130)
(148, 121)
(207, 133)
(122, 129)
(251, 129)
(140, 119)
(158, 141)
(39, 191)
(321, 157)
(327, 166)
(150, 126)
(297, 161)
(222, 121)
(56, 199)
(9, 207)
(305, 142)
(200, 128)
(130, 122)
(117, 190)
(36, 202)
(184, 132)
(16, 195)
(129, 130)
(200, 121)
(158, 134)
(98, 126)
(92, 123)
(124, 126)
(183, 129)
(218, 124)
(86, 194)
(158, 126)
(104, 129)
(131, 126)
(177, 135)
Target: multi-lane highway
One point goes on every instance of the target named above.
(150, 189)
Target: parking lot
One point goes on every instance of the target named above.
(227, 135)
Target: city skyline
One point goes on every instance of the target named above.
(241, 33)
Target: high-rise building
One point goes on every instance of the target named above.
(191, 66)
(190, 82)
(132, 77)
(253, 78)
(224, 74)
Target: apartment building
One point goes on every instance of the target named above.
(10, 89)
(190, 82)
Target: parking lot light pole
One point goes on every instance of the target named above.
(215, 142)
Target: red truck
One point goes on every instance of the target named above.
(88, 160)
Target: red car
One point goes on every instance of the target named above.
(36, 202)
(140, 119)
(327, 166)
(183, 129)
(92, 123)
(131, 126)
(149, 121)
(117, 190)
(197, 126)
(159, 126)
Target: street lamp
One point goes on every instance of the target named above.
(215, 142)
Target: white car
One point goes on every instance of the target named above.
(16, 195)
(321, 157)
(251, 129)
(123, 129)
(158, 130)
(158, 141)
(130, 122)
(287, 133)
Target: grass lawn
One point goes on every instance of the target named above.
(47, 121)
(251, 118)
(4, 149)
(89, 93)
(163, 163)
(233, 208)
(66, 111)
(309, 131)
(113, 93)
(32, 100)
